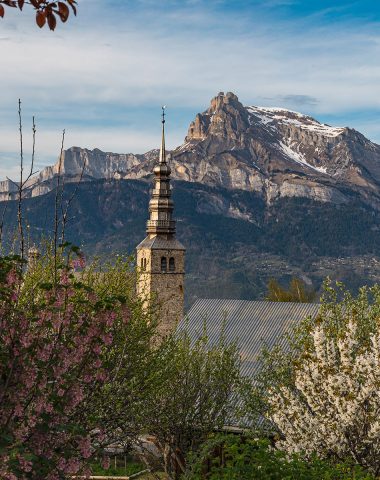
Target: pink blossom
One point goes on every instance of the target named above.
(106, 463)
(72, 466)
(79, 262)
(85, 447)
(107, 338)
(12, 277)
(97, 349)
(97, 363)
(49, 355)
(110, 318)
(101, 376)
(25, 465)
(64, 278)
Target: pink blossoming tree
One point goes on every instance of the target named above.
(56, 356)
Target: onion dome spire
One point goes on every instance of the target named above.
(161, 204)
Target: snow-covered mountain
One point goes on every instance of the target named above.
(273, 151)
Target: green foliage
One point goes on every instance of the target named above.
(233, 457)
(296, 292)
(130, 468)
(197, 395)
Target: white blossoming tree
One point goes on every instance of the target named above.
(329, 404)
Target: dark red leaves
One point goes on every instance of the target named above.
(10, 3)
(52, 21)
(40, 19)
(63, 11)
(47, 11)
(72, 4)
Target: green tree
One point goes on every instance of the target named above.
(197, 396)
(296, 292)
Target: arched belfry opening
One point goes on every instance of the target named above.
(164, 264)
(163, 281)
(171, 264)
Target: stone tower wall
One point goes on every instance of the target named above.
(163, 290)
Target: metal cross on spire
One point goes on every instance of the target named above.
(163, 113)
(162, 150)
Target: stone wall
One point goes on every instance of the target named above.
(164, 290)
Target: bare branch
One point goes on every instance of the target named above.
(68, 203)
(56, 204)
(31, 173)
(20, 187)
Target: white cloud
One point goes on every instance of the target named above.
(118, 60)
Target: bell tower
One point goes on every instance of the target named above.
(160, 256)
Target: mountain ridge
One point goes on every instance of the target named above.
(235, 243)
(272, 151)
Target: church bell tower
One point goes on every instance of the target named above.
(160, 256)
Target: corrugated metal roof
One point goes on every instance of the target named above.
(250, 324)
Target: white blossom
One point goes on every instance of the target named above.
(334, 406)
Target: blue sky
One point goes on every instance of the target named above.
(104, 75)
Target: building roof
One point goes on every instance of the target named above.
(161, 243)
(251, 324)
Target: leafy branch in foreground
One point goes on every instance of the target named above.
(46, 11)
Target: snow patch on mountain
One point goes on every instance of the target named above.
(273, 115)
(298, 157)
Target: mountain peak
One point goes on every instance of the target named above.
(225, 99)
(225, 116)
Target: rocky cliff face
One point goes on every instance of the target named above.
(278, 153)
(76, 163)
(274, 152)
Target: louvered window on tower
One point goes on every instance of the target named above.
(171, 264)
(164, 265)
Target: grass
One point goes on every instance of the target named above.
(130, 468)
